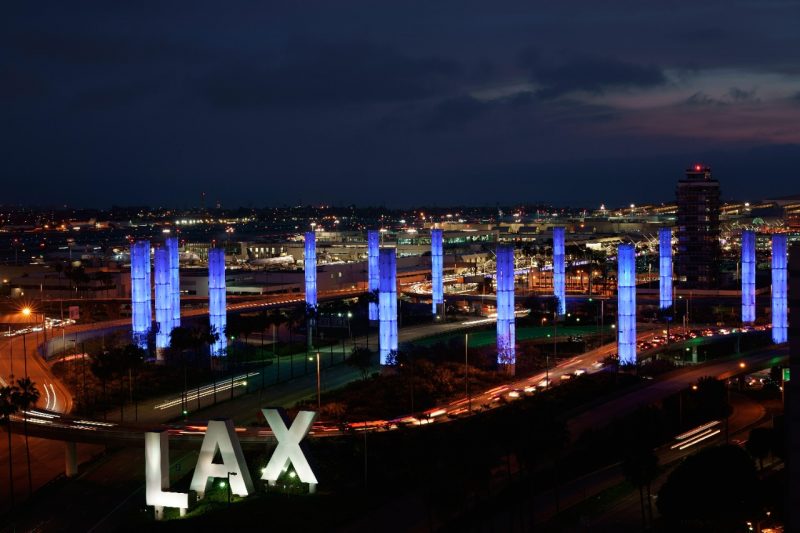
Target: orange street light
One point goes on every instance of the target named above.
(26, 311)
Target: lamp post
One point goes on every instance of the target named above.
(229, 486)
(546, 359)
(25, 353)
(349, 332)
(466, 371)
(319, 389)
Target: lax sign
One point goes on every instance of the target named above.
(221, 437)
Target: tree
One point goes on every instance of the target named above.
(360, 358)
(712, 399)
(666, 314)
(25, 396)
(194, 340)
(125, 360)
(8, 407)
(716, 488)
(759, 444)
(102, 367)
(640, 468)
(642, 432)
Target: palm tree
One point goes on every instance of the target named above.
(312, 311)
(276, 319)
(8, 407)
(640, 468)
(26, 397)
(102, 366)
(666, 315)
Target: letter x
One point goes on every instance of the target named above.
(289, 450)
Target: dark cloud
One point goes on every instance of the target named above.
(150, 101)
(332, 74)
(734, 95)
(92, 48)
(113, 96)
(700, 99)
(741, 95)
(560, 75)
(456, 111)
(19, 83)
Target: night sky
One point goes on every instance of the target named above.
(396, 103)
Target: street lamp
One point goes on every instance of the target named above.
(319, 394)
(229, 486)
(466, 371)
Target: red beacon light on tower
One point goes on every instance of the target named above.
(697, 168)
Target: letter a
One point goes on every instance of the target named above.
(221, 436)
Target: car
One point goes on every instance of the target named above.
(579, 371)
(514, 394)
(565, 377)
(530, 389)
(543, 383)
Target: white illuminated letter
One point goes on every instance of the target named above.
(220, 435)
(156, 458)
(289, 450)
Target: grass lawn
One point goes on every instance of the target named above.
(487, 337)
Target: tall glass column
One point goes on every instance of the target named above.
(163, 298)
(626, 304)
(665, 267)
(373, 278)
(748, 277)
(387, 333)
(559, 290)
(174, 280)
(217, 310)
(506, 335)
(780, 325)
(310, 266)
(437, 268)
(140, 292)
